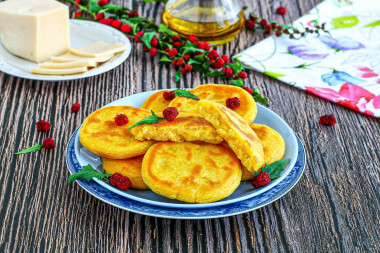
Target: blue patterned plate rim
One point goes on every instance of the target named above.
(244, 206)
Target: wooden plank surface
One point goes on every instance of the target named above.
(334, 207)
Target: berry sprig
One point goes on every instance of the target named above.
(268, 172)
(47, 143)
(272, 27)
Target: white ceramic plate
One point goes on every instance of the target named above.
(81, 33)
(244, 191)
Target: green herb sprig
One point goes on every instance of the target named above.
(184, 93)
(86, 174)
(148, 120)
(274, 169)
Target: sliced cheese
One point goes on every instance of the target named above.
(68, 57)
(34, 29)
(43, 71)
(65, 65)
(98, 49)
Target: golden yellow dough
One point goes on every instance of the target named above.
(236, 132)
(100, 135)
(156, 102)
(219, 93)
(190, 172)
(130, 168)
(273, 145)
(183, 128)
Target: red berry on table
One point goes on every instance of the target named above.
(229, 73)
(233, 103)
(281, 10)
(176, 44)
(76, 3)
(188, 68)
(261, 180)
(136, 13)
(193, 39)
(174, 63)
(119, 181)
(116, 24)
(48, 143)
(175, 37)
(102, 2)
(263, 22)
(219, 63)
(153, 51)
(173, 52)
(121, 119)
(107, 21)
(250, 24)
(274, 25)
(168, 95)
(243, 74)
(211, 61)
(146, 49)
(204, 45)
(170, 113)
(100, 16)
(43, 125)
(126, 28)
(75, 107)
(278, 33)
(267, 32)
(279, 28)
(268, 27)
(186, 57)
(78, 14)
(253, 18)
(225, 58)
(154, 42)
(213, 54)
(137, 35)
(180, 62)
(183, 71)
(327, 120)
(249, 90)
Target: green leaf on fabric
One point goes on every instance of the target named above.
(86, 174)
(94, 7)
(274, 169)
(147, 120)
(147, 38)
(165, 29)
(260, 99)
(215, 73)
(177, 75)
(184, 93)
(191, 62)
(272, 74)
(36, 147)
(373, 24)
(345, 22)
(165, 60)
(238, 82)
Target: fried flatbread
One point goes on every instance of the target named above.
(156, 102)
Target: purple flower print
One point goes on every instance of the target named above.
(340, 77)
(305, 52)
(341, 43)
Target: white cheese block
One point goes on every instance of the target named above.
(34, 29)
(98, 49)
(68, 57)
(43, 71)
(64, 65)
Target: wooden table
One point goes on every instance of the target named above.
(334, 207)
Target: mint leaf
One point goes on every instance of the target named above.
(147, 38)
(215, 73)
(165, 29)
(274, 169)
(165, 60)
(261, 99)
(87, 173)
(148, 120)
(191, 62)
(184, 93)
(238, 82)
(36, 147)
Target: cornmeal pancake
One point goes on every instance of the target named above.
(235, 131)
(156, 102)
(219, 93)
(130, 168)
(103, 137)
(183, 128)
(273, 145)
(195, 173)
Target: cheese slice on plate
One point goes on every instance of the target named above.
(98, 49)
(43, 71)
(65, 65)
(68, 57)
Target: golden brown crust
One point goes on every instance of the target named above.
(191, 172)
(100, 135)
(156, 102)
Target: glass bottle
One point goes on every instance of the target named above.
(215, 21)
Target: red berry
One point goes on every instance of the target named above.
(213, 54)
(48, 143)
(154, 42)
(278, 33)
(168, 95)
(43, 125)
(279, 28)
(116, 24)
(274, 25)
(75, 107)
(219, 63)
(186, 57)
(102, 2)
(175, 37)
(153, 51)
(204, 45)
(76, 3)
(133, 14)
(120, 182)
(327, 120)
(170, 113)
(100, 16)
(268, 27)
(177, 44)
(193, 39)
(137, 35)
(249, 90)
(121, 120)
(267, 32)
(229, 73)
(183, 71)
(261, 180)
(211, 61)
(225, 58)
(253, 18)
(126, 28)
(263, 22)
(174, 63)
(250, 24)
(242, 75)
(78, 14)
(281, 10)
(180, 62)
(146, 49)
(233, 103)
(188, 68)
(173, 52)
(107, 21)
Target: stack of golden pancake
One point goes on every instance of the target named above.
(199, 157)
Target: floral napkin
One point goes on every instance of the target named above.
(343, 66)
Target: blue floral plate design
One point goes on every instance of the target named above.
(244, 206)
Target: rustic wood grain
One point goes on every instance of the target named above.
(334, 207)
